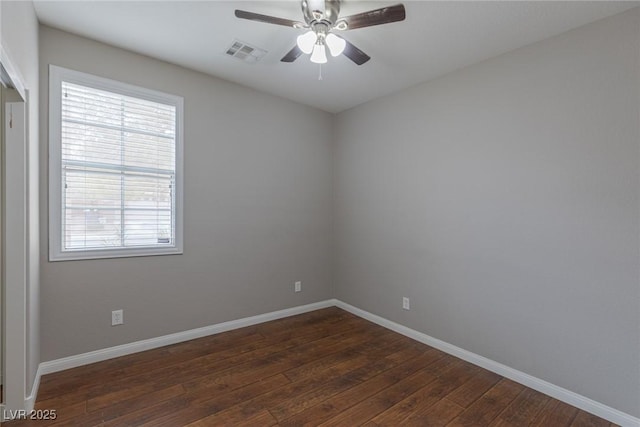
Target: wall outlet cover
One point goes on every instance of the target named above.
(117, 317)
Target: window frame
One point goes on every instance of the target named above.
(57, 75)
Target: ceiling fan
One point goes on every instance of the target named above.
(321, 17)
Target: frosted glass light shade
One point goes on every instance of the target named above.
(306, 41)
(319, 55)
(335, 44)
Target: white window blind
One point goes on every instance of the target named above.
(118, 174)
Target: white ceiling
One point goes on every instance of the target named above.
(437, 37)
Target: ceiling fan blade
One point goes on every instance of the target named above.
(292, 55)
(355, 54)
(380, 16)
(243, 14)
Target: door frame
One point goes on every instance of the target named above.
(15, 259)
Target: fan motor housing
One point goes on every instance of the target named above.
(326, 11)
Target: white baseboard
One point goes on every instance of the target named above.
(564, 395)
(138, 346)
(149, 344)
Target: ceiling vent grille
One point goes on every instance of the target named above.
(245, 52)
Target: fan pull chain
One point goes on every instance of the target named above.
(319, 71)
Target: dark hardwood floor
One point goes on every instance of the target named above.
(326, 368)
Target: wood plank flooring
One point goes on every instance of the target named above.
(324, 368)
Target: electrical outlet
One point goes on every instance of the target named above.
(117, 317)
(297, 287)
(405, 303)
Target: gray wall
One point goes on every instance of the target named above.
(503, 200)
(19, 35)
(258, 201)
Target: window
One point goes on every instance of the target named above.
(115, 171)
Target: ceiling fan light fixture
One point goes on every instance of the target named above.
(322, 17)
(319, 55)
(307, 41)
(335, 44)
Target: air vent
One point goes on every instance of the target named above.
(245, 52)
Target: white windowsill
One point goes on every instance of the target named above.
(113, 253)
